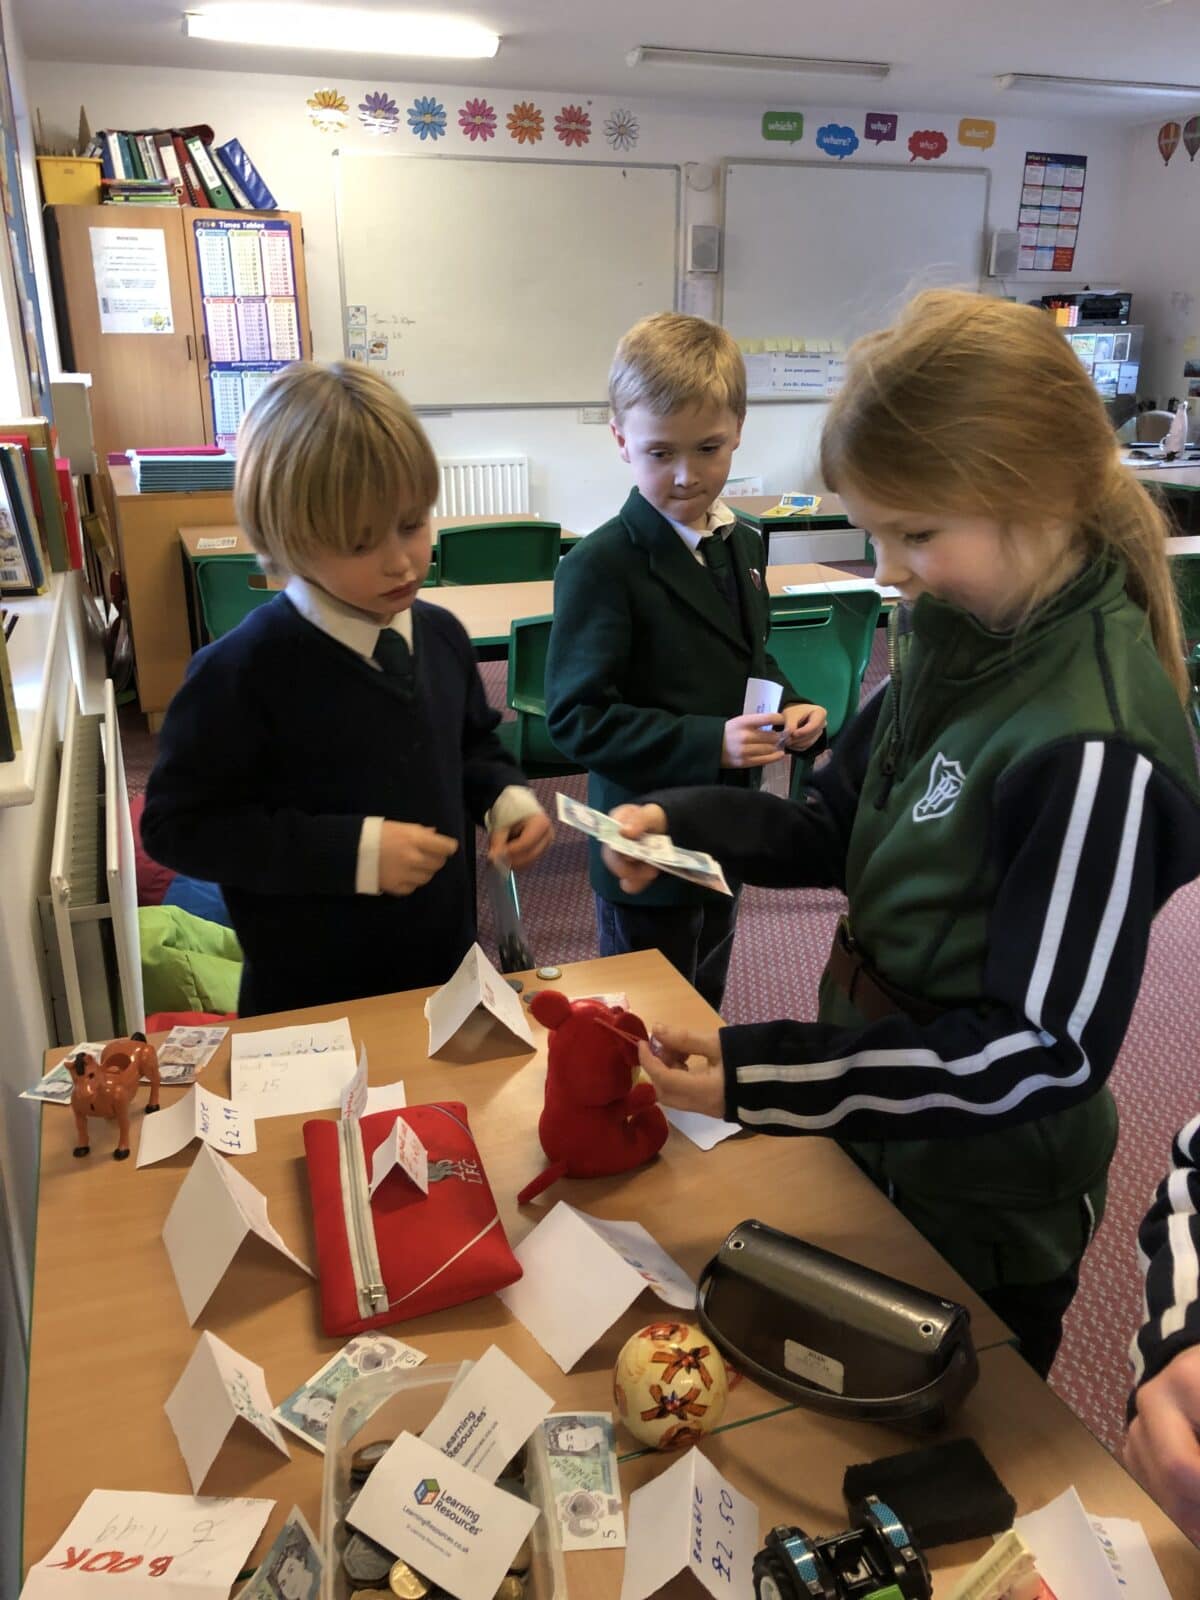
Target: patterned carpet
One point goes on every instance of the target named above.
(782, 940)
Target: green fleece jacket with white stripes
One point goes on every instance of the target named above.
(1006, 818)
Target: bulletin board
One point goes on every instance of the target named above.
(496, 282)
(817, 254)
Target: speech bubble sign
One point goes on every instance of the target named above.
(836, 139)
(979, 132)
(928, 143)
(785, 125)
(881, 126)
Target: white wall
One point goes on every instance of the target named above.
(576, 475)
(1161, 219)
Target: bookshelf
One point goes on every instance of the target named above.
(155, 386)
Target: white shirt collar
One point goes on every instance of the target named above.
(346, 624)
(718, 517)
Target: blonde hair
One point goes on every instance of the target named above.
(322, 452)
(669, 362)
(974, 406)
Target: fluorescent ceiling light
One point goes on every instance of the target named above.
(384, 33)
(659, 55)
(1097, 86)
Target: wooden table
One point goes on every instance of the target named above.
(110, 1337)
(147, 534)
(487, 610)
(792, 1464)
(191, 535)
(829, 516)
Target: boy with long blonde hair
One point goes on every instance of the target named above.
(1006, 818)
(325, 760)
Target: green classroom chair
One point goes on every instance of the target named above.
(223, 587)
(499, 552)
(527, 739)
(823, 642)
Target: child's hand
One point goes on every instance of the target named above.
(633, 876)
(1163, 1447)
(521, 843)
(410, 854)
(752, 740)
(803, 726)
(700, 1087)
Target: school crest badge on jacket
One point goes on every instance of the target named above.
(946, 779)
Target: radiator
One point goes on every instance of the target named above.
(89, 919)
(480, 488)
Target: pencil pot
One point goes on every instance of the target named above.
(374, 1411)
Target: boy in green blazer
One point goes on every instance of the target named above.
(660, 619)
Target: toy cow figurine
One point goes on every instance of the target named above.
(595, 1121)
(106, 1088)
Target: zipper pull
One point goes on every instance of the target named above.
(888, 768)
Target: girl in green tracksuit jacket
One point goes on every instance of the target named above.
(1005, 817)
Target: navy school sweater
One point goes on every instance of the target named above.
(277, 746)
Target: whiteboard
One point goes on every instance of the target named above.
(829, 252)
(501, 282)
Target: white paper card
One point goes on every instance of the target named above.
(170, 1545)
(307, 1039)
(456, 1529)
(1067, 1552)
(215, 1209)
(762, 695)
(285, 1086)
(1129, 1555)
(488, 1415)
(607, 1265)
(199, 1114)
(476, 983)
(354, 1095)
(701, 1130)
(216, 1388)
(402, 1148)
(386, 1097)
(690, 1518)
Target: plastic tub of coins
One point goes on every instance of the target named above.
(369, 1415)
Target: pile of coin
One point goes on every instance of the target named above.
(372, 1571)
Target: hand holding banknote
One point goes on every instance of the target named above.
(635, 822)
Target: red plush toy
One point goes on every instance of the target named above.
(595, 1121)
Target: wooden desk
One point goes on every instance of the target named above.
(752, 508)
(191, 535)
(792, 1464)
(487, 610)
(105, 1301)
(147, 533)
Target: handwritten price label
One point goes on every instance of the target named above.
(111, 1561)
(724, 1532)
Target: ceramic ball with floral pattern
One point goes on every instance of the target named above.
(670, 1385)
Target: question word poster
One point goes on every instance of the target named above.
(1051, 208)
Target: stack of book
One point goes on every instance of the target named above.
(140, 192)
(39, 514)
(184, 167)
(176, 471)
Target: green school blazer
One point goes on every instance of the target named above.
(647, 664)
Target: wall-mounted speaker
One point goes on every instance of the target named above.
(704, 247)
(1004, 254)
